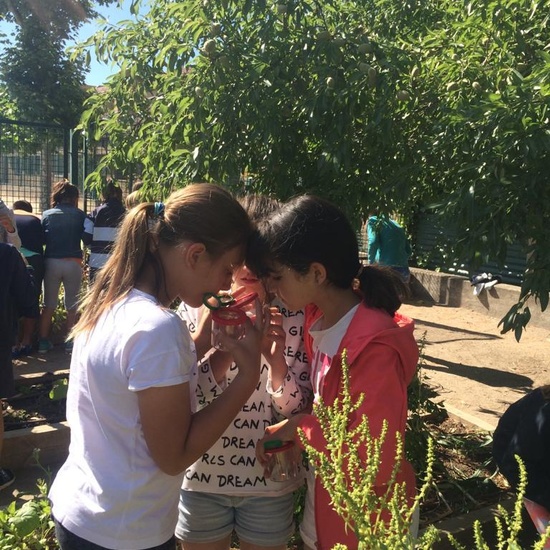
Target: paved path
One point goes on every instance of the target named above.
(473, 368)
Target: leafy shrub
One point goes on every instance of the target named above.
(350, 480)
(29, 527)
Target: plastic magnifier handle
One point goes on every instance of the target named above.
(273, 444)
(245, 300)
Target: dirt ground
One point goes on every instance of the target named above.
(471, 366)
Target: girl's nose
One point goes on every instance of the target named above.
(270, 285)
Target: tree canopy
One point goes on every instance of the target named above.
(45, 83)
(59, 18)
(423, 105)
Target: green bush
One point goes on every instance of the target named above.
(29, 527)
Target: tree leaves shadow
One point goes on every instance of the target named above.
(489, 376)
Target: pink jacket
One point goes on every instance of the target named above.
(383, 355)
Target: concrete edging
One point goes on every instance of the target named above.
(19, 445)
(456, 291)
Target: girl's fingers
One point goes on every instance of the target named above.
(276, 332)
(260, 452)
(282, 430)
(262, 320)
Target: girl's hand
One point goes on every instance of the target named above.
(286, 430)
(203, 333)
(246, 352)
(273, 342)
(273, 347)
(7, 223)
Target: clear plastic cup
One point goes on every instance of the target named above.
(282, 460)
(247, 304)
(228, 321)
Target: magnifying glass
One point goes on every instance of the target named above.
(216, 301)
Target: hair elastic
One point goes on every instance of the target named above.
(159, 210)
(356, 283)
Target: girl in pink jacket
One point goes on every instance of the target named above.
(310, 258)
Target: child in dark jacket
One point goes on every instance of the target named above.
(524, 430)
(17, 297)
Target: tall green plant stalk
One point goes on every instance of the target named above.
(350, 481)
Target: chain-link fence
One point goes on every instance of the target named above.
(33, 156)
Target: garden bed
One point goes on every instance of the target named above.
(33, 406)
(465, 475)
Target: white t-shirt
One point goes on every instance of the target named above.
(325, 346)
(110, 491)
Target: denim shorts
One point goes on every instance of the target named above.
(208, 517)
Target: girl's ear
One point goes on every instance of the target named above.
(194, 253)
(319, 272)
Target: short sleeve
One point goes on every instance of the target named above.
(161, 355)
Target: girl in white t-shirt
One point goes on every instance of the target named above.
(128, 405)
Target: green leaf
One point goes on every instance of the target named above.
(26, 519)
(59, 390)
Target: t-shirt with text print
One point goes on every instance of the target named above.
(230, 466)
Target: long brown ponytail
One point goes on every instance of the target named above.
(200, 212)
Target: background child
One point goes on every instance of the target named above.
(101, 226)
(311, 253)
(524, 430)
(388, 244)
(17, 297)
(32, 249)
(63, 226)
(128, 404)
(226, 490)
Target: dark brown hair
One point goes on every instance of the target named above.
(26, 206)
(64, 192)
(111, 191)
(310, 229)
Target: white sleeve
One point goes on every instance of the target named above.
(88, 226)
(159, 355)
(296, 394)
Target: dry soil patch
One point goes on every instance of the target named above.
(474, 368)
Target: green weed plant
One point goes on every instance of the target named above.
(350, 480)
(29, 527)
